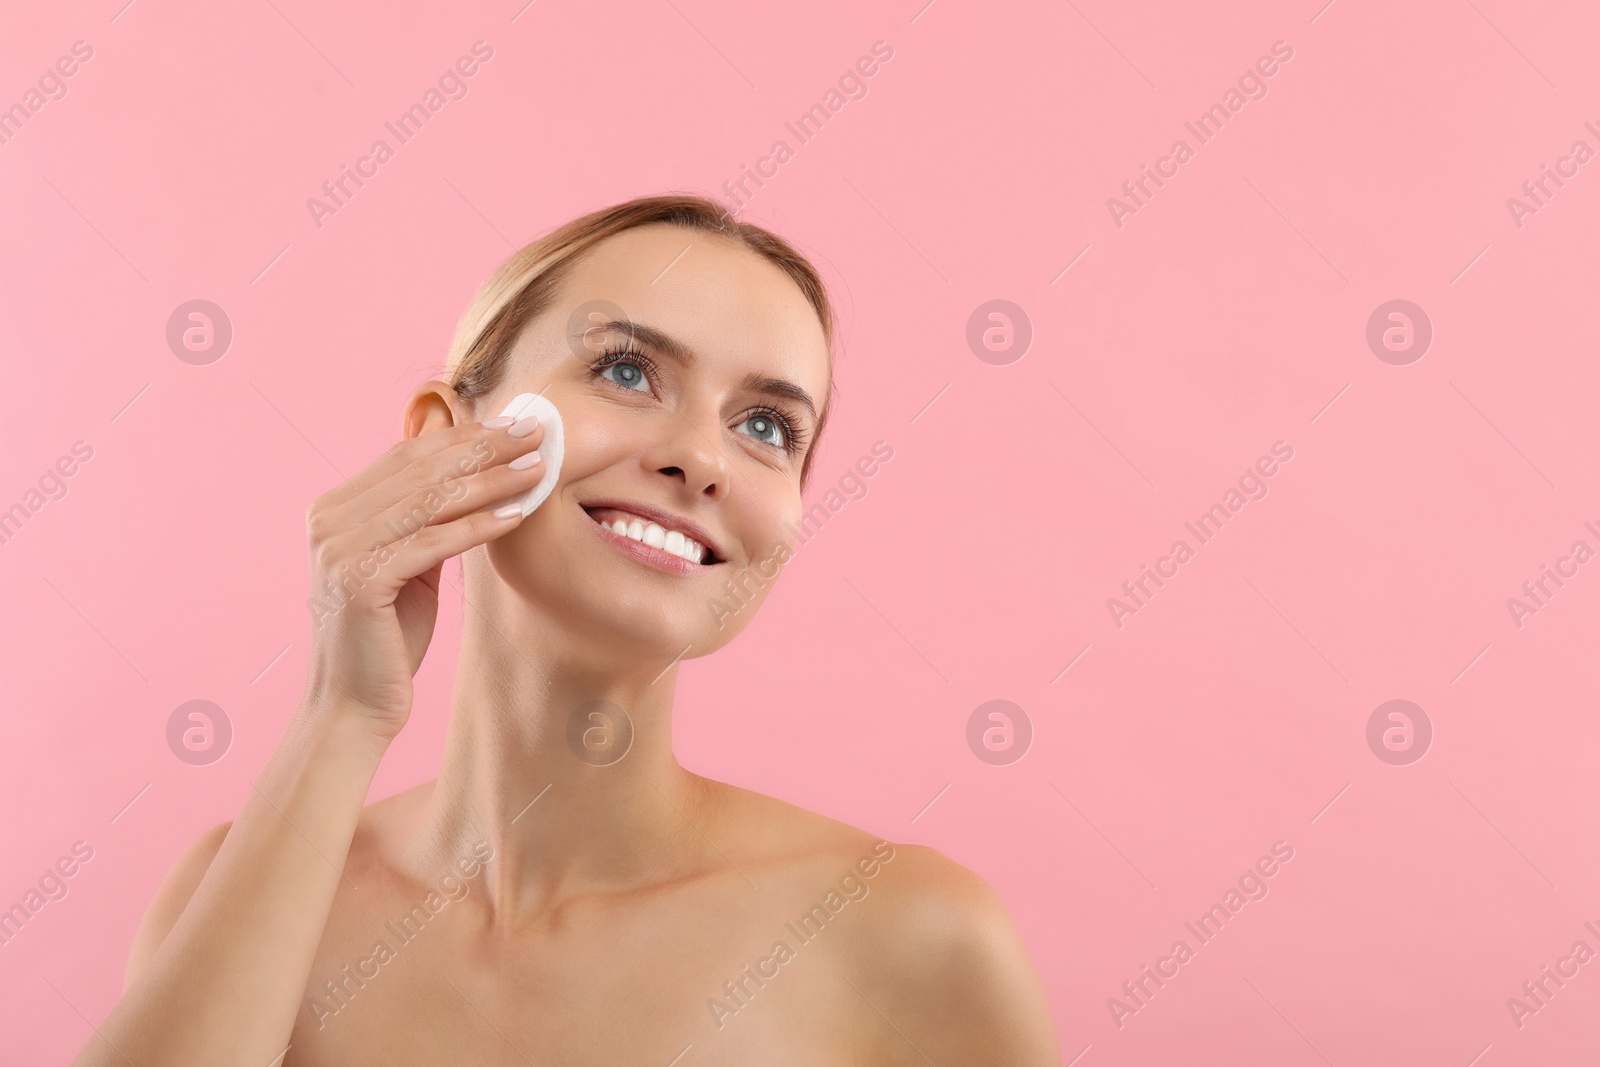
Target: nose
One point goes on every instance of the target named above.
(691, 453)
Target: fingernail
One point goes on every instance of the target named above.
(523, 427)
(523, 462)
(498, 421)
(510, 511)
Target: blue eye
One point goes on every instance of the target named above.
(629, 375)
(634, 371)
(762, 424)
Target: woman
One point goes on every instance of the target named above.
(565, 892)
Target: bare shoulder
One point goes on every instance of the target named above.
(927, 891)
(802, 852)
(937, 917)
(931, 944)
(189, 870)
(942, 956)
(172, 897)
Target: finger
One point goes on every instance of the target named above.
(401, 455)
(431, 507)
(435, 472)
(431, 546)
(432, 577)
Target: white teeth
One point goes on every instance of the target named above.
(658, 536)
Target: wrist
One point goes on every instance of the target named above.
(340, 726)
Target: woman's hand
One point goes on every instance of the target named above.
(378, 543)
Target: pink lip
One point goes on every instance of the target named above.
(659, 558)
(662, 518)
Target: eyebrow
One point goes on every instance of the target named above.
(684, 356)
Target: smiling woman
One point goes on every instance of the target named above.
(690, 358)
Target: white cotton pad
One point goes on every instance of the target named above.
(550, 449)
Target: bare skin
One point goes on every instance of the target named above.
(545, 901)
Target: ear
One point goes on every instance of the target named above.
(435, 405)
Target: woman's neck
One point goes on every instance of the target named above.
(564, 767)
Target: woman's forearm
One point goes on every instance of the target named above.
(225, 984)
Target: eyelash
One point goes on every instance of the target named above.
(794, 436)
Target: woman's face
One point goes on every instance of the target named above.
(697, 417)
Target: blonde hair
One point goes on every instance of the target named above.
(525, 285)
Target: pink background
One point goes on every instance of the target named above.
(1228, 313)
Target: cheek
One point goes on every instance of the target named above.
(595, 436)
(775, 530)
(600, 434)
(598, 438)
